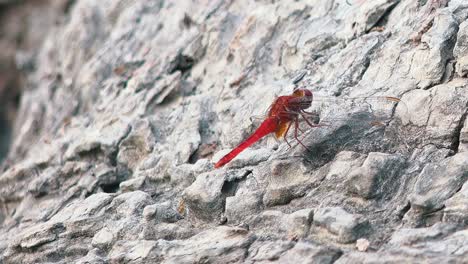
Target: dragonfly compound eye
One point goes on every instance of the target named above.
(307, 93)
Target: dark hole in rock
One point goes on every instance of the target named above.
(229, 188)
(10, 97)
(5, 135)
(187, 21)
(403, 211)
(110, 188)
(456, 135)
(67, 6)
(181, 63)
(205, 150)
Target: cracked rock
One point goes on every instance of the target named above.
(376, 174)
(242, 205)
(113, 113)
(456, 208)
(307, 253)
(204, 197)
(439, 181)
(345, 226)
(289, 180)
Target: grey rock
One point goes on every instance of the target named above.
(456, 208)
(267, 251)
(289, 180)
(392, 257)
(137, 145)
(342, 165)
(461, 46)
(307, 253)
(222, 244)
(243, 205)
(429, 63)
(268, 224)
(376, 174)
(93, 256)
(347, 227)
(166, 231)
(424, 111)
(161, 213)
(94, 205)
(134, 252)
(106, 174)
(204, 196)
(103, 239)
(434, 186)
(452, 245)
(297, 224)
(411, 236)
(464, 137)
(113, 112)
(132, 184)
(292, 226)
(131, 203)
(103, 139)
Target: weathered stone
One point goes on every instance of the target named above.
(461, 46)
(456, 208)
(268, 222)
(113, 113)
(392, 257)
(308, 253)
(133, 251)
(222, 244)
(347, 227)
(161, 213)
(132, 184)
(103, 239)
(411, 236)
(243, 205)
(428, 64)
(268, 250)
(425, 112)
(94, 205)
(166, 231)
(463, 143)
(438, 182)
(344, 162)
(289, 180)
(204, 196)
(131, 203)
(93, 256)
(297, 224)
(375, 175)
(137, 145)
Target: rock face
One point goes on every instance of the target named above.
(116, 110)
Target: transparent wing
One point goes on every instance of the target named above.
(355, 110)
(355, 124)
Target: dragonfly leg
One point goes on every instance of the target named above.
(308, 122)
(296, 124)
(309, 113)
(286, 134)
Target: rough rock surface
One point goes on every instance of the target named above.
(116, 110)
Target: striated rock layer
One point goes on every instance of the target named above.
(125, 105)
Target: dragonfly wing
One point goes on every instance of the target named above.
(356, 110)
(282, 128)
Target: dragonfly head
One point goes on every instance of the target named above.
(305, 96)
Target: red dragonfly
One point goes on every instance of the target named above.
(283, 113)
